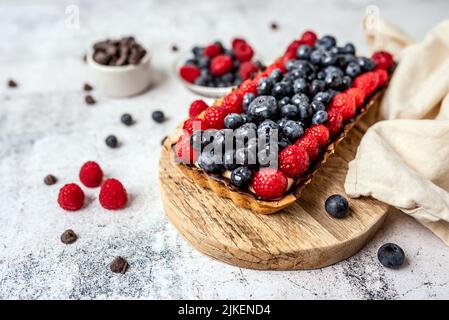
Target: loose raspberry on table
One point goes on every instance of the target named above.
(91, 174)
(189, 73)
(221, 64)
(269, 183)
(310, 144)
(184, 151)
(214, 117)
(293, 161)
(320, 132)
(196, 107)
(71, 197)
(113, 195)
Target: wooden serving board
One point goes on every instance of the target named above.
(303, 236)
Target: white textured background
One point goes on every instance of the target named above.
(45, 127)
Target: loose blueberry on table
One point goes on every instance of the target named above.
(217, 66)
(391, 255)
(298, 106)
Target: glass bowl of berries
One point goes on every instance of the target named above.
(214, 70)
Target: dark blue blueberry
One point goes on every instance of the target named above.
(228, 77)
(233, 121)
(297, 73)
(209, 162)
(247, 99)
(298, 98)
(111, 141)
(316, 56)
(326, 42)
(317, 86)
(320, 75)
(241, 177)
(283, 143)
(335, 70)
(281, 122)
(305, 111)
(279, 90)
(248, 155)
(284, 101)
(333, 80)
(246, 131)
(263, 107)
(391, 255)
(245, 117)
(319, 117)
(196, 140)
(288, 86)
(317, 106)
(229, 160)
(236, 65)
(292, 130)
(366, 64)
(197, 51)
(337, 206)
(303, 52)
(203, 62)
(289, 111)
(127, 119)
(353, 69)
(220, 137)
(276, 75)
(346, 82)
(229, 52)
(349, 48)
(191, 62)
(268, 155)
(201, 81)
(266, 129)
(332, 93)
(158, 116)
(328, 58)
(300, 86)
(336, 50)
(264, 86)
(323, 97)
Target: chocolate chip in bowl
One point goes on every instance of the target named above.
(213, 70)
(120, 67)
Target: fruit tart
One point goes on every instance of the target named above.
(262, 143)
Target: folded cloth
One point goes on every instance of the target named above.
(403, 160)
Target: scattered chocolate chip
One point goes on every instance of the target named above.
(174, 48)
(111, 141)
(50, 180)
(90, 100)
(119, 52)
(163, 140)
(69, 237)
(127, 119)
(87, 87)
(158, 116)
(12, 83)
(119, 265)
(274, 26)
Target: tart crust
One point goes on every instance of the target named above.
(248, 200)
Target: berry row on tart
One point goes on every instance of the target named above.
(266, 138)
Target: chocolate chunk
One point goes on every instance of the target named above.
(50, 180)
(111, 50)
(119, 265)
(274, 26)
(87, 87)
(69, 237)
(123, 56)
(102, 58)
(174, 48)
(90, 100)
(12, 83)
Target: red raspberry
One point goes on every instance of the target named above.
(293, 161)
(212, 50)
(91, 174)
(184, 151)
(214, 117)
(71, 197)
(310, 144)
(191, 125)
(269, 183)
(248, 86)
(237, 41)
(334, 121)
(113, 195)
(345, 104)
(357, 94)
(221, 64)
(196, 107)
(309, 38)
(189, 73)
(232, 102)
(382, 76)
(320, 132)
(292, 47)
(247, 70)
(243, 51)
(368, 82)
(383, 59)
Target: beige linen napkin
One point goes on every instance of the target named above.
(404, 160)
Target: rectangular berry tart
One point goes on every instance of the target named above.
(263, 142)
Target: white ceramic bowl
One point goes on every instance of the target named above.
(209, 92)
(121, 81)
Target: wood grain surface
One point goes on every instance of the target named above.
(302, 236)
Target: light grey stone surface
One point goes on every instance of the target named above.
(45, 127)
